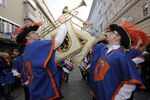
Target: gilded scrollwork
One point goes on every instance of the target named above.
(65, 46)
(82, 40)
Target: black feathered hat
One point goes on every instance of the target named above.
(23, 31)
(125, 38)
(129, 32)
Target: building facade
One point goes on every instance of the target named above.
(106, 12)
(15, 13)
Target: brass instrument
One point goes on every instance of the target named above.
(82, 3)
(76, 44)
(86, 30)
(69, 15)
(65, 10)
(56, 24)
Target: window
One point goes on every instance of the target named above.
(10, 27)
(14, 27)
(100, 11)
(106, 19)
(111, 15)
(126, 1)
(101, 27)
(3, 2)
(110, 1)
(40, 15)
(1, 26)
(5, 26)
(117, 8)
(145, 10)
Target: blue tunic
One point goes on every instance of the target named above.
(108, 72)
(6, 76)
(134, 53)
(60, 70)
(19, 67)
(41, 69)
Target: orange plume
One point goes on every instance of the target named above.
(139, 37)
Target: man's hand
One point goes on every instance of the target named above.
(19, 75)
(62, 19)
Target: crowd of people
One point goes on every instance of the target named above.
(114, 68)
(6, 76)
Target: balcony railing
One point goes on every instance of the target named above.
(7, 26)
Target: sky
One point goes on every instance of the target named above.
(56, 7)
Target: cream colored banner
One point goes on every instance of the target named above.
(86, 41)
(69, 47)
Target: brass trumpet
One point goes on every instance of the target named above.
(69, 15)
(56, 24)
(50, 28)
(86, 30)
(66, 11)
(82, 3)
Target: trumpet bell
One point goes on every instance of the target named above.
(64, 10)
(82, 3)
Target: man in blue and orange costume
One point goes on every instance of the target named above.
(18, 71)
(134, 53)
(61, 75)
(39, 61)
(140, 39)
(6, 76)
(113, 75)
